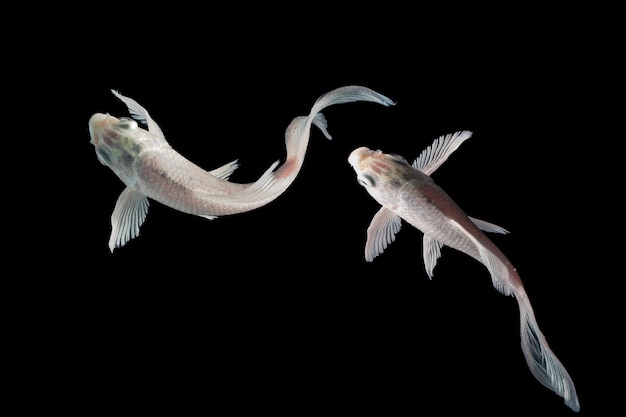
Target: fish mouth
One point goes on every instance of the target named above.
(96, 123)
(359, 156)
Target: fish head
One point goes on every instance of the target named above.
(117, 142)
(379, 173)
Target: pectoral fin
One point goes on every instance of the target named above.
(381, 232)
(432, 252)
(436, 154)
(129, 214)
(140, 114)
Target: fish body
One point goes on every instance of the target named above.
(150, 168)
(406, 192)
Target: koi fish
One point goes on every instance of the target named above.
(150, 168)
(406, 192)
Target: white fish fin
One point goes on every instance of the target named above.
(488, 227)
(139, 113)
(349, 94)
(208, 217)
(542, 362)
(129, 214)
(267, 188)
(436, 154)
(432, 252)
(224, 171)
(320, 121)
(381, 232)
(497, 269)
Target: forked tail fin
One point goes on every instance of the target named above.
(542, 362)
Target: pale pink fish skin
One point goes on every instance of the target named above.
(407, 193)
(407, 188)
(151, 168)
(149, 165)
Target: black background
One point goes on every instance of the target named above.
(276, 310)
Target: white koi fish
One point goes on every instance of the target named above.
(407, 192)
(150, 168)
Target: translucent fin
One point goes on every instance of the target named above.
(224, 171)
(436, 154)
(381, 232)
(542, 362)
(129, 214)
(350, 94)
(320, 121)
(263, 188)
(267, 188)
(488, 227)
(139, 113)
(432, 252)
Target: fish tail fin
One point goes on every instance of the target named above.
(542, 362)
(298, 132)
(350, 94)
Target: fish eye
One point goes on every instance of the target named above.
(127, 123)
(366, 180)
(103, 157)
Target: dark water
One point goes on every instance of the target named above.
(276, 310)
